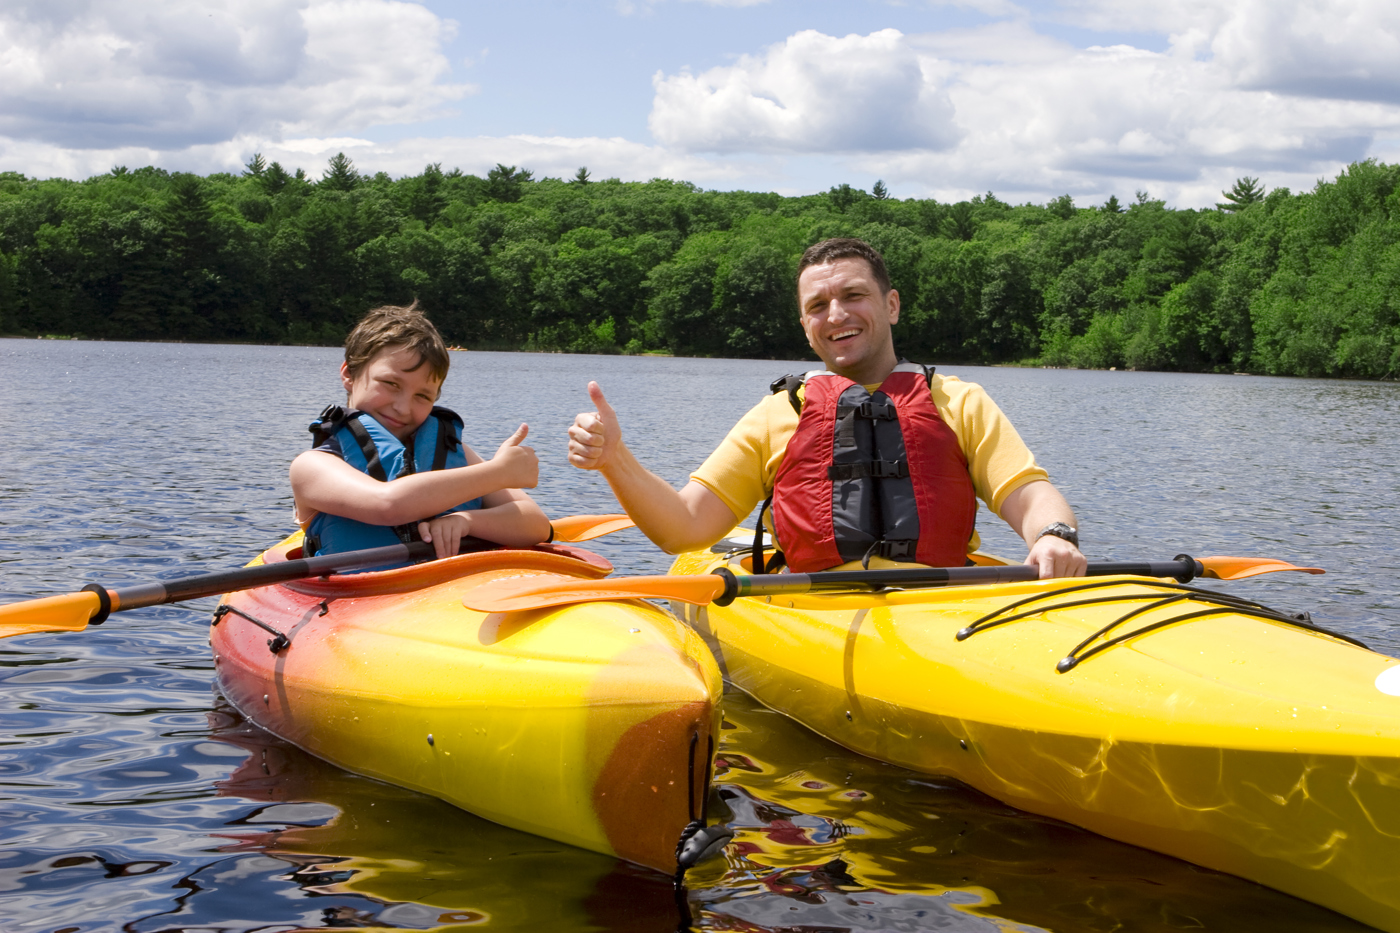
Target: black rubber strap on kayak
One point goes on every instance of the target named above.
(1003, 615)
(275, 644)
(104, 603)
(1073, 660)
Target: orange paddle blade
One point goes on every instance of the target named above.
(541, 591)
(587, 527)
(1237, 568)
(67, 613)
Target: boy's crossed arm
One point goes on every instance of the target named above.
(322, 482)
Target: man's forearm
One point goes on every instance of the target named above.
(675, 520)
(1029, 509)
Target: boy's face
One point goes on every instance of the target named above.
(396, 388)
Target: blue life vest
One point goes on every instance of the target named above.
(368, 446)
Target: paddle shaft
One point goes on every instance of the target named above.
(215, 584)
(1183, 569)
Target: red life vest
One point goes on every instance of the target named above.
(871, 474)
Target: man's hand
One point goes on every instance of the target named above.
(446, 532)
(594, 435)
(1056, 557)
(520, 468)
(1031, 507)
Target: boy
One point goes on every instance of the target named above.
(392, 465)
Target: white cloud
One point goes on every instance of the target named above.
(545, 156)
(1315, 48)
(168, 74)
(811, 93)
(1289, 90)
(1030, 115)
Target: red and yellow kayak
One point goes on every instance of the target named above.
(594, 725)
(1235, 739)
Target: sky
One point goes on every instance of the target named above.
(1029, 100)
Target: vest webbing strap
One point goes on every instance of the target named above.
(372, 464)
(876, 469)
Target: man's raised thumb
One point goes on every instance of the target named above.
(595, 392)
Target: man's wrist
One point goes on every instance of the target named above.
(1060, 530)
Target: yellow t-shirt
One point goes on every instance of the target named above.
(742, 469)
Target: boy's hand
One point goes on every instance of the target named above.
(594, 434)
(446, 532)
(521, 466)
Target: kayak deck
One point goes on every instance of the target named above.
(592, 725)
(1241, 742)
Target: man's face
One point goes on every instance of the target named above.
(847, 320)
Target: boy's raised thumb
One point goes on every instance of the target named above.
(518, 436)
(595, 392)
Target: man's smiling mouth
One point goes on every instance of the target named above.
(843, 335)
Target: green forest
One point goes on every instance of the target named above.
(1265, 282)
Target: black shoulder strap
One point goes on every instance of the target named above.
(447, 439)
(326, 424)
(759, 564)
(789, 384)
(333, 419)
(372, 464)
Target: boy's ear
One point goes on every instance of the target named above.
(345, 376)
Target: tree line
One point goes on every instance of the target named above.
(1268, 282)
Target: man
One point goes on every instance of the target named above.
(877, 472)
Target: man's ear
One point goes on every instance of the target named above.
(893, 299)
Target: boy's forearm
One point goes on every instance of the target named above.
(518, 523)
(410, 498)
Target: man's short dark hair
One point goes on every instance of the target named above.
(845, 247)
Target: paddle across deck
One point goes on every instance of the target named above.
(593, 725)
(1236, 742)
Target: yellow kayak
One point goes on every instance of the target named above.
(1229, 736)
(593, 725)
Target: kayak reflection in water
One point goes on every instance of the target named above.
(875, 460)
(391, 466)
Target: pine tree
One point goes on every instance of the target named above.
(256, 166)
(581, 176)
(504, 182)
(274, 179)
(1247, 191)
(340, 175)
(880, 192)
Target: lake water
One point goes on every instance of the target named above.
(131, 799)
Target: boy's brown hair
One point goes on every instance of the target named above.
(391, 327)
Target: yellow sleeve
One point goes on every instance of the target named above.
(997, 458)
(742, 468)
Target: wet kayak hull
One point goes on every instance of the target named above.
(591, 725)
(1239, 743)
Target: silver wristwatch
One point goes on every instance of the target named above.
(1060, 530)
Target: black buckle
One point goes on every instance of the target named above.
(878, 409)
